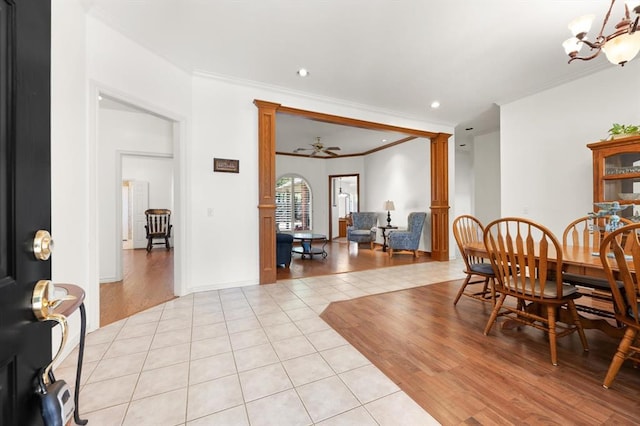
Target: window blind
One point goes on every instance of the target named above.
(293, 204)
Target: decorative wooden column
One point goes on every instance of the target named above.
(440, 197)
(266, 189)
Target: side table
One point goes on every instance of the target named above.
(385, 237)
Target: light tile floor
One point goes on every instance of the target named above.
(257, 355)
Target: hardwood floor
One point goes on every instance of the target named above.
(346, 257)
(147, 282)
(439, 356)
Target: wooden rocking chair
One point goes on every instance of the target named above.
(158, 227)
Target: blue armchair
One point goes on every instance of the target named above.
(409, 239)
(284, 244)
(363, 228)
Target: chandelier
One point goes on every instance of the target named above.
(621, 46)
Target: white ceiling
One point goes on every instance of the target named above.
(294, 132)
(395, 56)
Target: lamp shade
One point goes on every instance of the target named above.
(581, 25)
(571, 45)
(622, 48)
(388, 206)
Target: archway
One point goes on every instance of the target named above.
(266, 178)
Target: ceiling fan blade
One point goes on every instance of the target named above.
(333, 154)
(333, 148)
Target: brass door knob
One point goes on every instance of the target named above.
(42, 245)
(43, 301)
(43, 304)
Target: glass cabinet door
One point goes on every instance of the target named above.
(622, 181)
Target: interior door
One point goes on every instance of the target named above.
(140, 203)
(25, 201)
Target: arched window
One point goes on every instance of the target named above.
(293, 204)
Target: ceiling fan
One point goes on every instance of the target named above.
(318, 147)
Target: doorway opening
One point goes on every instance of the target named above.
(147, 183)
(135, 151)
(344, 196)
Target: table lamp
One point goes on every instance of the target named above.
(389, 207)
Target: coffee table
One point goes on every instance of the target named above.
(306, 244)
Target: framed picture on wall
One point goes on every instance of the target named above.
(226, 165)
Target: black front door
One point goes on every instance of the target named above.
(25, 201)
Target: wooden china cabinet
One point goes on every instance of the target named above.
(616, 172)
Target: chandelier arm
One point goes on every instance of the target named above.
(597, 44)
(585, 58)
(606, 18)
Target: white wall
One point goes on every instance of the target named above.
(158, 171)
(546, 168)
(401, 174)
(123, 132)
(463, 191)
(486, 177)
(70, 195)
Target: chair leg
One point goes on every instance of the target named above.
(493, 290)
(576, 320)
(371, 244)
(551, 317)
(390, 251)
(620, 356)
(494, 314)
(166, 243)
(149, 244)
(415, 253)
(485, 286)
(462, 287)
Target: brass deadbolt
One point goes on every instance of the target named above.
(42, 245)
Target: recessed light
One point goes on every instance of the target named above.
(384, 141)
(302, 72)
(435, 104)
(99, 97)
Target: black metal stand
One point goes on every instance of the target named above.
(76, 394)
(385, 237)
(388, 218)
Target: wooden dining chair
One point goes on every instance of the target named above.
(620, 257)
(586, 233)
(158, 227)
(527, 261)
(469, 230)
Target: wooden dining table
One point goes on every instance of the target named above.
(577, 260)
